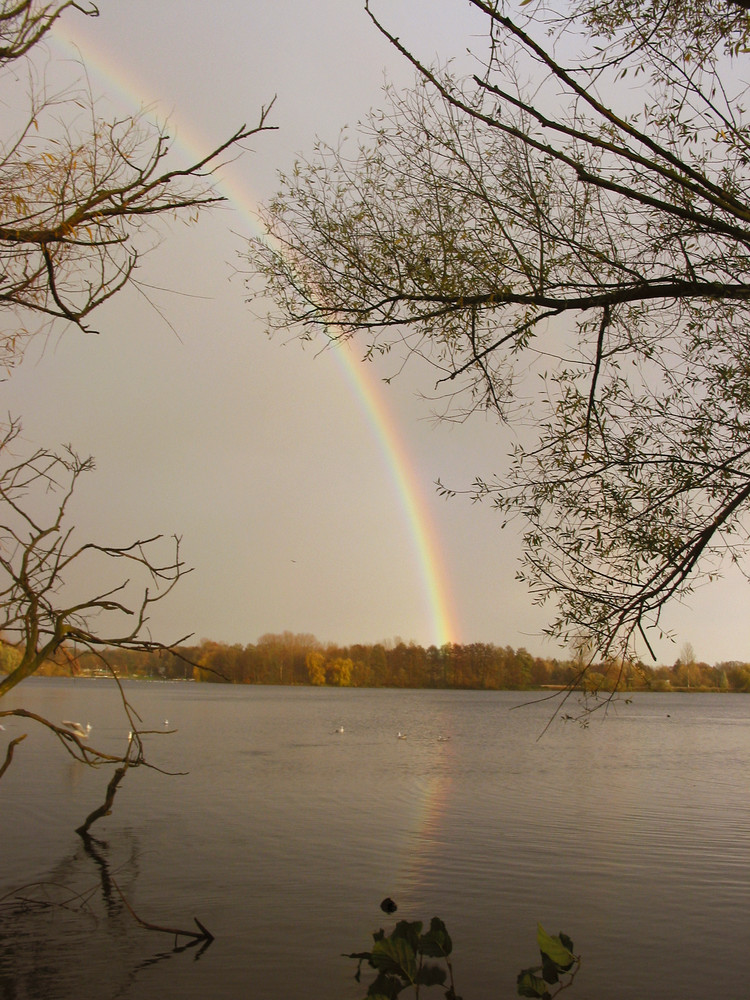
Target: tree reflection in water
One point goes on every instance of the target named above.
(74, 931)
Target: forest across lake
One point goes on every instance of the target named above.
(301, 659)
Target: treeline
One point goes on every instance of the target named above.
(290, 658)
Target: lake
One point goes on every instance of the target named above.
(632, 835)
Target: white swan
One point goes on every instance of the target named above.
(339, 730)
(402, 736)
(77, 729)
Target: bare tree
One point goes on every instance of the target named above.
(568, 250)
(24, 23)
(43, 569)
(82, 198)
(48, 610)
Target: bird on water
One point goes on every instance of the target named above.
(77, 729)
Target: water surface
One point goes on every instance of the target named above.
(632, 835)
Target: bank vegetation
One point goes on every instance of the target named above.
(301, 659)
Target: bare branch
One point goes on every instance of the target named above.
(9, 753)
(578, 269)
(106, 808)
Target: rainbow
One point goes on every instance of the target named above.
(365, 387)
(420, 861)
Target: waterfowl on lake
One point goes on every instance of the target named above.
(77, 729)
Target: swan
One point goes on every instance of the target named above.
(402, 736)
(339, 730)
(77, 729)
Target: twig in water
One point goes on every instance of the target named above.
(106, 808)
(9, 753)
(204, 935)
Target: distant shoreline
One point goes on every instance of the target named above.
(296, 659)
(558, 688)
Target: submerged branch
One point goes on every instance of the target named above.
(203, 934)
(9, 753)
(106, 808)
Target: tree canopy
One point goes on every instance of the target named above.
(563, 236)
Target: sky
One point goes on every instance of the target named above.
(302, 485)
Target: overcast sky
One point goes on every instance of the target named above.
(262, 454)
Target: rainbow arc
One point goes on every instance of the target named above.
(365, 386)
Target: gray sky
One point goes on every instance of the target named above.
(261, 454)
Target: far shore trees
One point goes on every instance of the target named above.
(82, 197)
(301, 660)
(564, 237)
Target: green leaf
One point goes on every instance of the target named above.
(431, 975)
(554, 948)
(385, 988)
(550, 970)
(529, 985)
(566, 941)
(408, 931)
(436, 943)
(395, 955)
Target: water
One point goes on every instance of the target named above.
(632, 835)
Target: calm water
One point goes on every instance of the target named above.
(632, 835)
